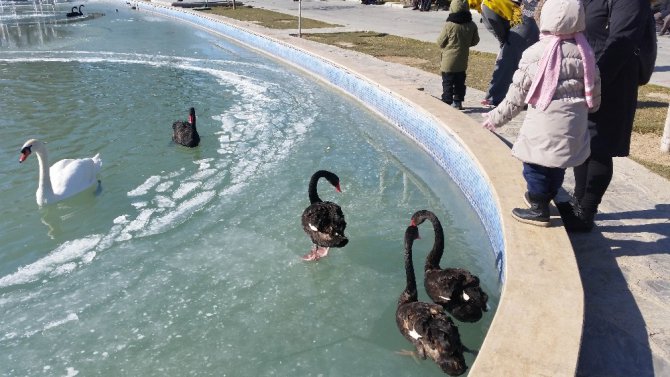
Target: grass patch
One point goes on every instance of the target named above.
(268, 18)
(660, 169)
(652, 109)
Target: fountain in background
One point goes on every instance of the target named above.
(36, 22)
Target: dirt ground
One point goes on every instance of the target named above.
(647, 147)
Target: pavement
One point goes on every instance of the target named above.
(624, 263)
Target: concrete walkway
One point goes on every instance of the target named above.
(624, 263)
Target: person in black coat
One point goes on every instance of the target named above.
(614, 35)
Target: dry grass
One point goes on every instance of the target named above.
(652, 104)
(268, 18)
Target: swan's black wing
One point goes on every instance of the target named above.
(324, 223)
(458, 291)
(433, 334)
(184, 134)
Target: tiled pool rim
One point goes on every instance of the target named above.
(499, 355)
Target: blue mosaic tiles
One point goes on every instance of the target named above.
(417, 125)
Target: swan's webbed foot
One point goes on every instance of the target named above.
(316, 253)
(98, 189)
(409, 353)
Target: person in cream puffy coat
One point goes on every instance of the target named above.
(554, 134)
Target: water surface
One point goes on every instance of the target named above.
(187, 261)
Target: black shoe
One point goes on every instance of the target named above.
(575, 219)
(458, 105)
(537, 214)
(530, 216)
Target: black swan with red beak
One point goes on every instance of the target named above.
(456, 289)
(185, 133)
(323, 221)
(75, 12)
(426, 325)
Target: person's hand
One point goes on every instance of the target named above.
(488, 124)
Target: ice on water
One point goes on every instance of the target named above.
(189, 260)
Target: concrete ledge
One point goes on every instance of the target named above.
(537, 327)
(394, 4)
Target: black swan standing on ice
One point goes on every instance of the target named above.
(185, 133)
(426, 325)
(323, 221)
(456, 289)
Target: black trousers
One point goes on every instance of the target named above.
(591, 181)
(453, 87)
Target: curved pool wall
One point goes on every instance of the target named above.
(537, 327)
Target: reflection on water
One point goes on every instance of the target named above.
(60, 218)
(25, 24)
(52, 220)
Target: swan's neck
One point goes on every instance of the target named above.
(45, 192)
(313, 196)
(410, 294)
(435, 255)
(191, 119)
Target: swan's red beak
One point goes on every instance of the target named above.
(412, 223)
(337, 188)
(190, 119)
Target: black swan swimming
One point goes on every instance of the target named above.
(185, 133)
(456, 289)
(73, 12)
(426, 325)
(323, 221)
(79, 10)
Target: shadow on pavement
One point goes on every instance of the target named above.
(614, 339)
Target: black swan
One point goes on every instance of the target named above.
(456, 289)
(426, 325)
(73, 12)
(185, 133)
(323, 221)
(79, 10)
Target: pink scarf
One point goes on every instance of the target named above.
(544, 85)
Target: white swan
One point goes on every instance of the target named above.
(65, 178)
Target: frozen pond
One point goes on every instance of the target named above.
(187, 262)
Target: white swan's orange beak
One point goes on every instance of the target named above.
(25, 152)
